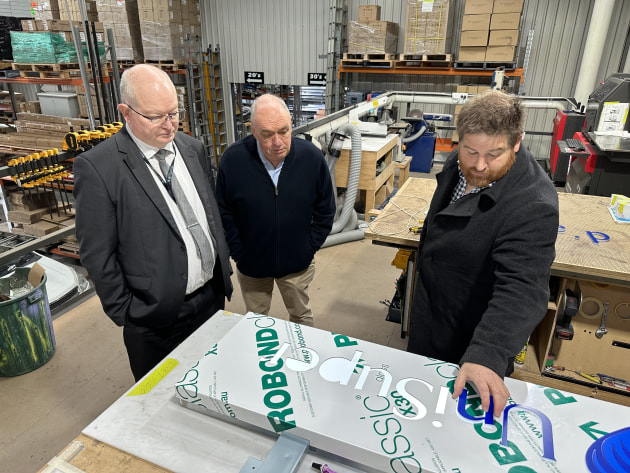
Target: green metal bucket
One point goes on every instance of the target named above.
(27, 340)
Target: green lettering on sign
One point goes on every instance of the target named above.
(343, 341)
(587, 428)
(558, 398)
(496, 435)
(506, 455)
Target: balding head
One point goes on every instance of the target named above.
(148, 96)
(269, 102)
(142, 80)
(271, 126)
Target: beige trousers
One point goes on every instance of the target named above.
(293, 289)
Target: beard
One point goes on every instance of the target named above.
(477, 180)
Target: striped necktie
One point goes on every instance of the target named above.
(205, 249)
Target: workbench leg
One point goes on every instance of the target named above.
(410, 283)
(370, 198)
(403, 176)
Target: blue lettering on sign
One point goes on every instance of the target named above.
(609, 454)
(547, 431)
(597, 237)
(461, 410)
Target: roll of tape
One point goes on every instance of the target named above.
(599, 285)
(591, 308)
(622, 310)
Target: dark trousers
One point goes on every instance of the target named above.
(146, 347)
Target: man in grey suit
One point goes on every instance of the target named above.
(148, 226)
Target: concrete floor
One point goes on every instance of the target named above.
(43, 411)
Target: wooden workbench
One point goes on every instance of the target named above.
(590, 244)
(592, 258)
(403, 211)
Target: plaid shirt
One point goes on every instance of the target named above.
(460, 187)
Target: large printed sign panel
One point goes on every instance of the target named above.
(385, 410)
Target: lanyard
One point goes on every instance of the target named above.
(168, 184)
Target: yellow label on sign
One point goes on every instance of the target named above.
(157, 375)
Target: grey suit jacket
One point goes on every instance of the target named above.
(128, 240)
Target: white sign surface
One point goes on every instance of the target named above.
(385, 410)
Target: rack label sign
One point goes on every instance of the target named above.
(316, 78)
(254, 77)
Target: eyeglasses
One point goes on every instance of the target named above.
(180, 114)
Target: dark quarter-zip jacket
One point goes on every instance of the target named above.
(273, 230)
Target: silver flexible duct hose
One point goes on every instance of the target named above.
(353, 178)
(416, 135)
(344, 237)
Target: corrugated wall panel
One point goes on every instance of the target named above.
(19, 8)
(286, 38)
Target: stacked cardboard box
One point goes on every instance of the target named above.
(370, 35)
(369, 13)
(504, 30)
(41, 132)
(122, 18)
(21, 104)
(165, 27)
(465, 89)
(83, 111)
(490, 30)
(473, 42)
(45, 9)
(72, 10)
(428, 28)
(29, 106)
(62, 27)
(30, 212)
(182, 103)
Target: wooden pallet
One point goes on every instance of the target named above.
(69, 248)
(366, 63)
(369, 56)
(173, 65)
(46, 71)
(483, 65)
(9, 73)
(425, 57)
(424, 61)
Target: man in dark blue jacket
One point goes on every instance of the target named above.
(277, 204)
(486, 250)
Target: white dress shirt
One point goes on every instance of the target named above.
(197, 277)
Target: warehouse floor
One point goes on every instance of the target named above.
(41, 412)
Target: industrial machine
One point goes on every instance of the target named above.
(602, 165)
(565, 124)
(419, 142)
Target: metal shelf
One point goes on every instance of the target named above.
(436, 71)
